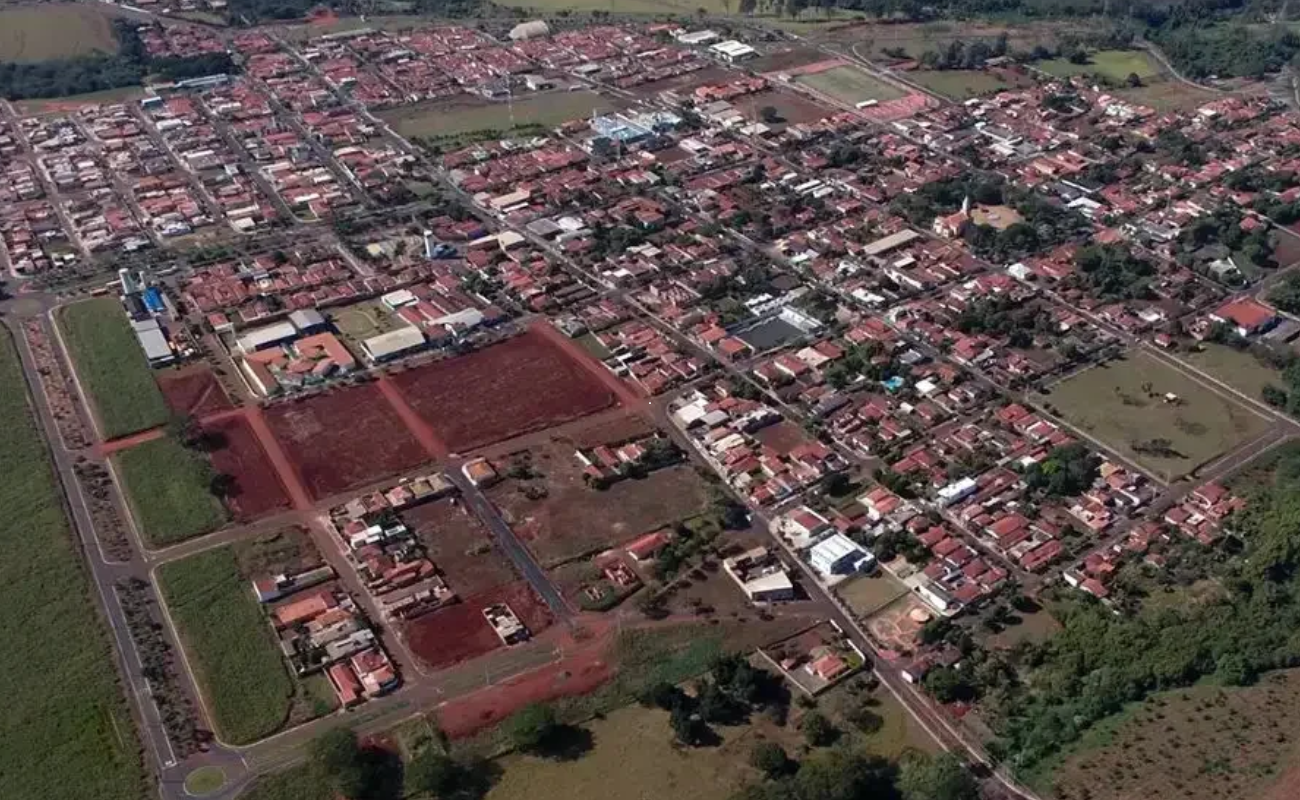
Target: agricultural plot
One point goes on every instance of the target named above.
(467, 118)
(521, 385)
(344, 438)
(229, 645)
(570, 519)
(66, 731)
(1124, 404)
(461, 547)
(56, 30)
(850, 85)
(111, 367)
(254, 486)
(169, 488)
(193, 392)
(460, 632)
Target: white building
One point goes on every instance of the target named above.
(732, 51)
(837, 555)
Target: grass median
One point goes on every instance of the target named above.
(112, 367)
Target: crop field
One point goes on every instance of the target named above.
(344, 438)
(112, 368)
(464, 117)
(573, 519)
(1116, 65)
(56, 30)
(460, 632)
(257, 489)
(850, 85)
(521, 385)
(193, 392)
(963, 84)
(461, 547)
(169, 489)
(65, 731)
(1193, 744)
(228, 644)
(1123, 404)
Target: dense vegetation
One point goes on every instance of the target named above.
(65, 730)
(170, 490)
(111, 367)
(225, 636)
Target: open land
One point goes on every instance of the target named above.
(871, 40)
(460, 632)
(1122, 403)
(193, 392)
(344, 438)
(963, 84)
(867, 594)
(459, 544)
(66, 731)
(170, 491)
(1237, 368)
(112, 368)
(850, 85)
(245, 683)
(1115, 65)
(1168, 95)
(574, 519)
(62, 105)
(791, 107)
(521, 385)
(463, 116)
(257, 488)
(56, 30)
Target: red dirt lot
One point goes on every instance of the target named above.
(521, 385)
(259, 489)
(460, 546)
(344, 438)
(193, 392)
(460, 631)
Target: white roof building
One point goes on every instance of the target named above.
(837, 554)
(392, 344)
(259, 338)
(732, 50)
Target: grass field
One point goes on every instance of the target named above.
(41, 32)
(1194, 744)
(850, 85)
(963, 84)
(1113, 64)
(169, 490)
(1237, 368)
(1122, 403)
(65, 731)
(1169, 95)
(112, 368)
(462, 118)
(229, 645)
(869, 593)
(914, 39)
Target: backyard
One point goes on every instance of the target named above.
(1126, 404)
(169, 488)
(111, 367)
(65, 731)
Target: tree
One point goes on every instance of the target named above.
(769, 114)
(533, 728)
(818, 730)
(1134, 80)
(432, 772)
(1274, 396)
(662, 695)
(947, 685)
(689, 729)
(941, 777)
(770, 759)
(337, 754)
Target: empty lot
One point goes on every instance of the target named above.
(464, 116)
(41, 32)
(1123, 404)
(850, 85)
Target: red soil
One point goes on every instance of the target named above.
(518, 386)
(342, 439)
(113, 445)
(259, 489)
(461, 632)
(193, 392)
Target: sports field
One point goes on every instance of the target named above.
(1123, 403)
(850, 85)
(464, 117)
(65, 731)
(56, 30)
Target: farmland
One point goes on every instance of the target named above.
(257, 489)
(344, 438)
(246, 685)
(518, 386)
(170, 491)
(66, 731)
(1195, 744)
(41, 32)
(464, 117)
(1123, 404)
(849, 85)
(459, 632)
(193, 392)
(112, 368)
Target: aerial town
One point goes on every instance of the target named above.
(605, 406)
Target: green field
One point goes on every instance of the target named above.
(461, 118)
(169, 490)
(867, 594)
(111, 367)
(963, 84)
(41, 32)
(65, 731)
(1116, 65)
(229, 645)
(850, 85)
(1237, 368)
(915, 39)
(1169, 95)
(1122, 403)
